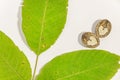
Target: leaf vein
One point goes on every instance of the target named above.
(42, 27)
(77, 73)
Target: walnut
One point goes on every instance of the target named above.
(90, 40)
(103, 28)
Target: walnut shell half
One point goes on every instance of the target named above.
(90, 40)
(103, 28)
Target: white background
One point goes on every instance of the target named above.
(81, 16)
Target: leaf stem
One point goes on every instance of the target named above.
(34, 73)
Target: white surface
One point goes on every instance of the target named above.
(81, 16)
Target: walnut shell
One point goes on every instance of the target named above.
(90, 40)
(103, 28)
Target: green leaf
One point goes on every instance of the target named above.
(13, 63)
(81, 65)
(42, 22)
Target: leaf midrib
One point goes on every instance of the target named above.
(80, 72)
(10, 66)
(42, 26)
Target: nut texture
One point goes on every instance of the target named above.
(90, 40)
